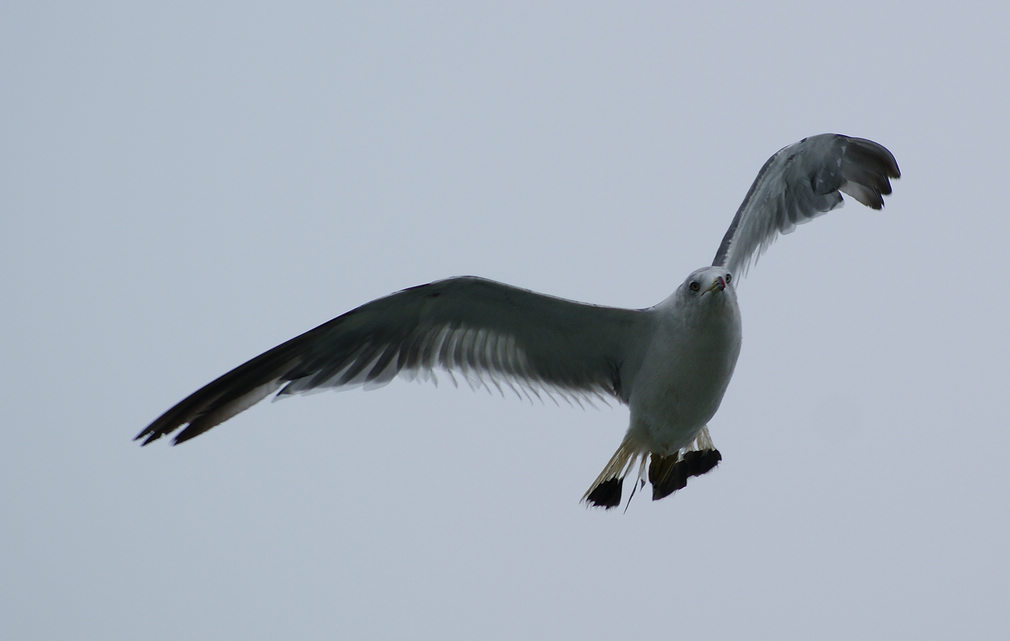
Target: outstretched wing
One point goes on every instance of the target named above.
(799, 183)
(483, 330)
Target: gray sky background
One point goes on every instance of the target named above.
(185, 185)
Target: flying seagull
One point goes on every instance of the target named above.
(670, 363)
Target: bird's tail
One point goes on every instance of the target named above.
(605, 491)
(667, 473)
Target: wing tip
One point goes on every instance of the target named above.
(868, 168)
(154, 432)
(147, 436)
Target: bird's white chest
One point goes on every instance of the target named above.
(684, 375)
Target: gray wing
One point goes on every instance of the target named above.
(483, 330)
(799, 183)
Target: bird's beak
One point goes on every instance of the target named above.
(719, 284)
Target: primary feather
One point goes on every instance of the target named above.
(483, 330)
(801, 182)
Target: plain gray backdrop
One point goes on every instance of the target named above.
(185, 185)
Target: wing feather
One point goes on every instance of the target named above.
(479, 329)
(801, 182)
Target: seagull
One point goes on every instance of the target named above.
(670, 363)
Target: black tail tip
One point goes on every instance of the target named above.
(607, 494)
(670, 473)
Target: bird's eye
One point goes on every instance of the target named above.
(729, 277)
(694, 286)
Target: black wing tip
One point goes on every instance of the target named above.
(151, 434)
(871, 166)
(154, 432)
(877, 154)
(170, 422)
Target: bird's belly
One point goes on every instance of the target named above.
(681, 388)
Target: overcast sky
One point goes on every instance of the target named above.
(184, 185)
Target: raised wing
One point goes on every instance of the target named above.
(483, 330)
(799, 183)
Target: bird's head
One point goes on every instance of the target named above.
(705, 283)
(705, 295)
